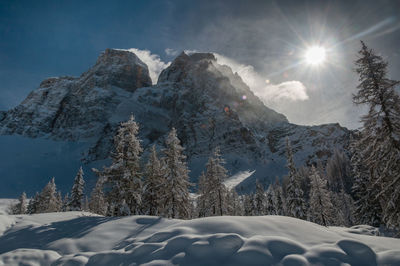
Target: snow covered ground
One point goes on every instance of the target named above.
(236, 179)
(79, 238)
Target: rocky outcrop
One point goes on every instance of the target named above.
(69, 108)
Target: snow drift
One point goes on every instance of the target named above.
(78, 238)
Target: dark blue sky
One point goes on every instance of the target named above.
(39, 39)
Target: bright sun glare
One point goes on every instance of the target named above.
(315, 55)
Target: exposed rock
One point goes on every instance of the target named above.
(207, 103)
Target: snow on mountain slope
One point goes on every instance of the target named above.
(206, 102)
(78, 238)
(237, 178)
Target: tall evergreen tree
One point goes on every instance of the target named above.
(65, 203)
(343, 205)
(338, 172)
(214, 189)
(368, 209)
(20, 207)
(296, 206)
(123, 177)
(259, 199)
(76, 200)
(235, 206)
(202, 200)
(248, 205)
(280, 201)
(270, 201)
(153, 184)
(97, 203)
(175, 198)
(380, 135)
(33, 204)
(48, 199)
(321, 208)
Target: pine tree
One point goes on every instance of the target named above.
(270, 201)
(65, 203)
(321, 208)
(48, 199)
(20, 207)
(343, 205)
(380, 135)
(248, 205)
(59, 201)
(203, 197)
(123, 177)
(124, 209)
(235, 206)
(296, 206)
(76, 200)
(153, 184)
(97, 203)
(368, 208)
(338, 172)
(259, 199)
(280, 201)
(175, 198)
(212, 186)
(85, 206)
(33, 204)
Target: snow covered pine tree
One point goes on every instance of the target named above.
(97, 203)
(76, 199)
(123, 177)
(20, 207)
(378, 148)
(175, 198)
(296, 206)
(153, 185)
(321, 208)
(48, 199)
(213, 189)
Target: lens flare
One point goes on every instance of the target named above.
(315, 55)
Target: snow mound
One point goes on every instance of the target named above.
(76, 238)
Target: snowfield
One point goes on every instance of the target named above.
(80, 238)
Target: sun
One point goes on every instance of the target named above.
(315, 55)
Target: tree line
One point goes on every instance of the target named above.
(161, 187)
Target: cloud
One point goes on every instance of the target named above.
(171, 52)
(289, 90)
(153, 62)
(270, 94)
(189, 52)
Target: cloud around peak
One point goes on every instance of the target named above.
(276, 96)
(270, 94)
(153, 62)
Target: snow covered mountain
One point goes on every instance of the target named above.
(80, 238)
(206, 102)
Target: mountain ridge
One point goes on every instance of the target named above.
(208, 104)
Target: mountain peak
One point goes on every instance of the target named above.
(182, 64)
(119, 57)
(120, 68)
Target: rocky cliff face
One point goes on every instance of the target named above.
(208, 104)
(69, 108)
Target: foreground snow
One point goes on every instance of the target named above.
(78, 238)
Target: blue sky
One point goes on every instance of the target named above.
(39, 39)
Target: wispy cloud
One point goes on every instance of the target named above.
(153, 62)
(171, 52)
(270, 94)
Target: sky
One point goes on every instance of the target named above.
(264, 41)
